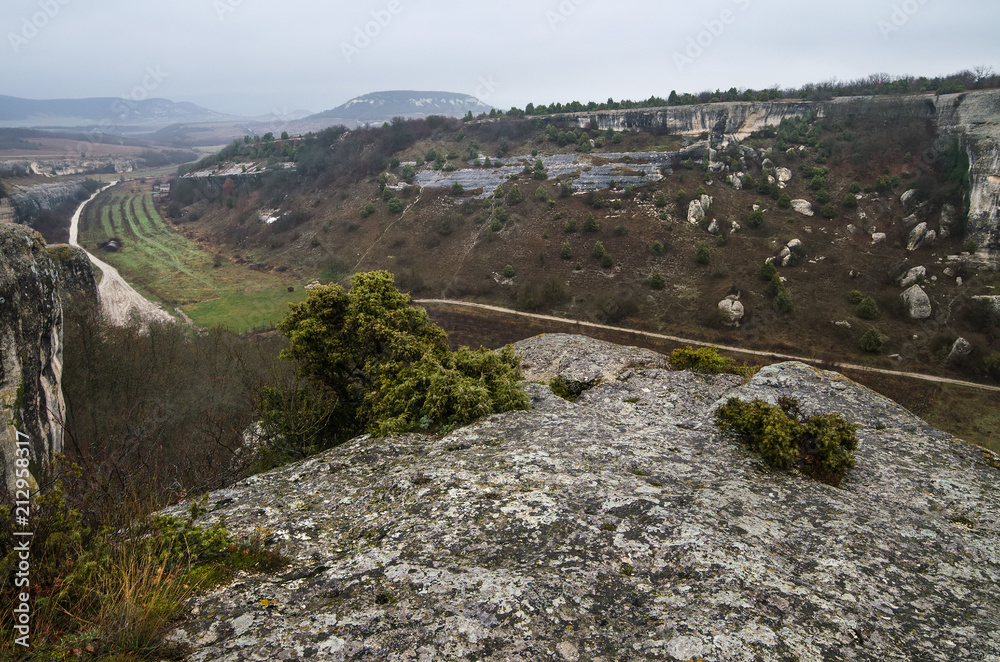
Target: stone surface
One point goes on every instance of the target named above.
(990, 306)
(696, 212)
(909, 199)
(75, 272)
(713, 227)
(959, 350)
(918, 237)
(619, 527)
(949, 221)
(878, 237)
(803, 207)
(916, 303)
(731, 311)
(912, 277)
(31, 333)
(783, 175)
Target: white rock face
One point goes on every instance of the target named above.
(909, 199)
(911, 221)
(713, 227)
(912, 277)
(731, 311)
(878, 238)
(803, 207)
(696, 212)
(795, 245)
(736, 181)
(916, 303)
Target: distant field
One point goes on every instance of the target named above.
(169, 268)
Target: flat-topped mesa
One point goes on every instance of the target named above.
(623, 524)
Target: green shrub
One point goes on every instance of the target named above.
(822, 445)
(541, 195)
(850, 201)
(457, 189)
(870, 342)
(591, 224)
(855, 296)
(706, 360)
(782, 303)
(569, 226)
(657, 282)
(702, 254)
(768, 271)
(566, 252)
(784, 201)
(756, 218)
(368, 210)
(660, 200)
(508, 271)
(657, 248)
(867, 309)
(620, 231)
(681, 198)
(855, 188)
(407, 172)
(396, 205)
(514, 195)
(828, 211)
(818, 182)
(606, 261)
(700, 191)
(562, 389)
(384, 367)
(991, 366)
(823, 196)
(598, 250)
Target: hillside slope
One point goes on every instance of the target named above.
(619, 526)
(379, 107)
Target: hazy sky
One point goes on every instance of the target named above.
(263, 56)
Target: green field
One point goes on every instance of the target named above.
(167, 267)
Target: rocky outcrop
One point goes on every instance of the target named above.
(737, 119)
(31, 329)
(75, 272)
(803, 207)
(919, 237)
(912, 277)
(698, 209)
(621, 526)
(959, 350)
(29, 202)
(916, 303)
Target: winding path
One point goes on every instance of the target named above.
(119, 300)
(727, 348)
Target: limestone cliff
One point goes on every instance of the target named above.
(31, 333)
(738, 119)
(75, 272)
(622, 526)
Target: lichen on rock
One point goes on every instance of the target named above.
(621, 526)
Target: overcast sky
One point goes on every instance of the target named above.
(260, 57)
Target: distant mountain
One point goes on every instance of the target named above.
(107, 111)
(383, 106)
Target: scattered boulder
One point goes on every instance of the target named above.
(713, 227)
(909, 199)
(731, 311)
(916, 303)
(853, 229)
(767, 163)
(911, 221)
(878, 238)
(920, 236)
(697, 211)
(736, 181)
(736, 227)
(912, 277)
(959, 350)
(844, 324)
(803, 207)
(784, 175)
(949, 221)
(795, 245)
(313, 285)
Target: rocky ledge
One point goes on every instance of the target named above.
(622, 526)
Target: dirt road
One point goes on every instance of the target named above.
(727, 348)
(119, 300)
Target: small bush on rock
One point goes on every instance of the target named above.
(822, 445)
(706, 360)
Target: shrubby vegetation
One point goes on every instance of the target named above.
(377, 364)
(707, 360)
(822, 445)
